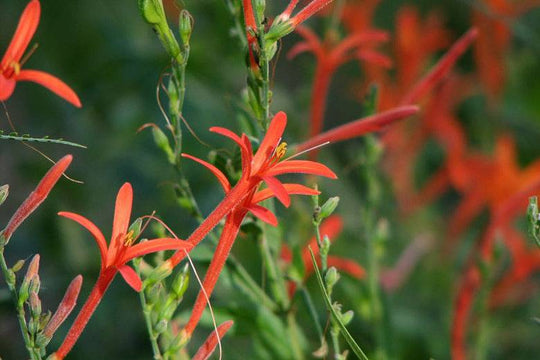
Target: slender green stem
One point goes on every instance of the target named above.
(334, 334)
(10, 281)
(147, 312)
(322, 255)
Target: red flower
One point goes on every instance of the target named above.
(36, 197)
(114, 257)
(10, 66)
(263, 166)
(330, 55)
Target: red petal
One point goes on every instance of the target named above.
(264, 214)
(93, 229)
(131, 277)
(122, 213)
(270, 141)
(220, 176)
(359, 127)
(442, 68)
(23, 34)
(302, 167)
(211, 342)
(292, 189)
(6, 87)
(244, 144)
(52, 83)
(154, 245)
(278, 189)
(348, 266)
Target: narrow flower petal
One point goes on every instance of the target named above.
(131, 277)
(52, 83)
(93, 229)
(6, 87)
(37, 196)
(154, 245)
(278, 189)
(292, 189)
(264, 214)
(23, 34)
(217, 173)
(347, 266)
(207, 349)
(227, 133)
(122, 213)
(442, 68)
(270, 141)
(302, 167)
(359, 127)
(313, 7)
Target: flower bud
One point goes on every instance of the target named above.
(35, 305)
(64, 308)
(181, 282)
(346, 317)
(331, 278)
(152, 11)
(185, 25)
(18, 265)
(162, 142)
(328, 207)
(161, 326)
(258, 7)
(325, 246)
(4, 192)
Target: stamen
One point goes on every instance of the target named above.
(307, 150)
(129, 239)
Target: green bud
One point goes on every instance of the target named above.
(328, 207)
(18, 265)
(153, 294)
(32, 326)
(185, 25)
(159, 273)
(325, 246)
(181, 282)
(162, 142)
(135, 228)
(10, 278)
(331, 278)
(346, 317)
(317, 215)
(258, 8)
(4, 192)
(161, 326)
(152, 11)
(279, 30)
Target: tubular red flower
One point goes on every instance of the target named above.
(211, 342)
(359, 127)
(37, 196)
(256, 168)
(443, 67)
(10, 66)
(113, 260)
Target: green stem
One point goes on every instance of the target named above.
(147, 312)
(10, 281)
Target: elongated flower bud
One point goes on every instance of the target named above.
(36, 197)
(4, 192)
(65, 307)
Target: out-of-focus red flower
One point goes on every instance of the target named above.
(10, 66)
(331, 54)
(492, 18)
(501, 221)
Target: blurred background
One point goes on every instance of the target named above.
(111, 58)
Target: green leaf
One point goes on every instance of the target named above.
(25, 137)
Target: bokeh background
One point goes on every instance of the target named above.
(111, 58)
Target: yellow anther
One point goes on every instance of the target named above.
(16, 67)
(280, 150)
(128, 239)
